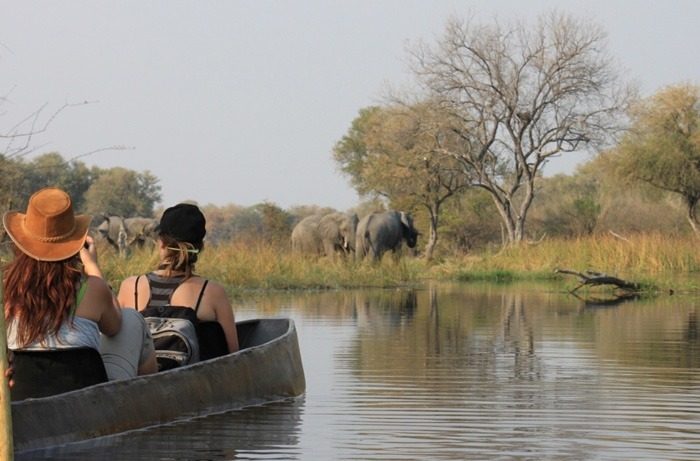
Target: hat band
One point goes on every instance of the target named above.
(47, 239)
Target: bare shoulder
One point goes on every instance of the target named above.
(96, 283)
(215, 288)
(126, 290)
(129, 281)
(97, 299)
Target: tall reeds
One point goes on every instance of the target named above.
(260, 266)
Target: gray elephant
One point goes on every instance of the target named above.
(331, 234)
(141, 231)
(112, 230)
(305, 237)
(337, 232)
(124, 233)
(379, 232)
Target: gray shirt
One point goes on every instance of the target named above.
(83, 333)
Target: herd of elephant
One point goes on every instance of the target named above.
(343, 233)
(125, 233)
(330, 235)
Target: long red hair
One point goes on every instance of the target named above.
(39, 294)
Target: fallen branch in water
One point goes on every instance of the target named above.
(593, 278)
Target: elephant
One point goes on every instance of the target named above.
(325, 235)
(141, 231)
(112, 230)
(124, 233)
(337, 232)
(305, 237)
(379, 232)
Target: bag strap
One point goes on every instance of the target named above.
(136, 293)
(201, 293)
(81, 292)
(79, 296)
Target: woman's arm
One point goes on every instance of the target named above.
(88, 255)
(126, 292)
(99, 296)
(224, 314)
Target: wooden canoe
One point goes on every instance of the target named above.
(267, 368)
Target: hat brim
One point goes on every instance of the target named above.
(46, 251)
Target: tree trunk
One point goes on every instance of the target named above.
(6, 444)
(692, 203)
(432, 233)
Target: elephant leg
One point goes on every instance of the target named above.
(122, 241)
(374, 253)
(329, 248)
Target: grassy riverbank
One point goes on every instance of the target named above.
(653, 260)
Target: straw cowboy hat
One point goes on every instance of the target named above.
(50, 231)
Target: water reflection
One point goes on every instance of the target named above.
(455, 371)
(271, 429)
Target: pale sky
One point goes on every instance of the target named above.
(242, 101)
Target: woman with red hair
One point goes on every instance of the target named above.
(55, 294)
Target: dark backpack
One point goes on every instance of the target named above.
(174, 330)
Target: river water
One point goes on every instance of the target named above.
(459, 371)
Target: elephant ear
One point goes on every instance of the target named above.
(324, 225)
(406, 219)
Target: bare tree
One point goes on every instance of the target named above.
(17, 142)
(518, 95)
(17, 139)
(407, 161)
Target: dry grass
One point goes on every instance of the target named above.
(268, 267)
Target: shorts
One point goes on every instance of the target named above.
(124, 352)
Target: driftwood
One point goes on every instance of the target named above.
(593, 278)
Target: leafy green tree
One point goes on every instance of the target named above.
(469, 222)
(21, 178)
(276, 223)
(52, 169)
(399, 155)
(122, 192)
(517, 95)
(219, 221)
(567, 205)
(351, 152)
(662, 149)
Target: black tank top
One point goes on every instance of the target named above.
(162, 289)
(212, 339)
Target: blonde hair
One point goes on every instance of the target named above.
(179, 256)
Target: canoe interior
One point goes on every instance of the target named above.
(253, 333)
(268, 368)
(45, 373)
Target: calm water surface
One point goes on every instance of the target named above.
(457, 371)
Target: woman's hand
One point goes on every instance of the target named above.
(88, 255)
(10, 371)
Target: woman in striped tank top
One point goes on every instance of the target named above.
(174, 282)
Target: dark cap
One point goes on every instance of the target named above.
(183, 222)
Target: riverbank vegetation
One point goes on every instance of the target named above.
(654, 260)
(466, 157)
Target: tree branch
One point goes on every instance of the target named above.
(593, 278)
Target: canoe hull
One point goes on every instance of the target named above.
(266, 372)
